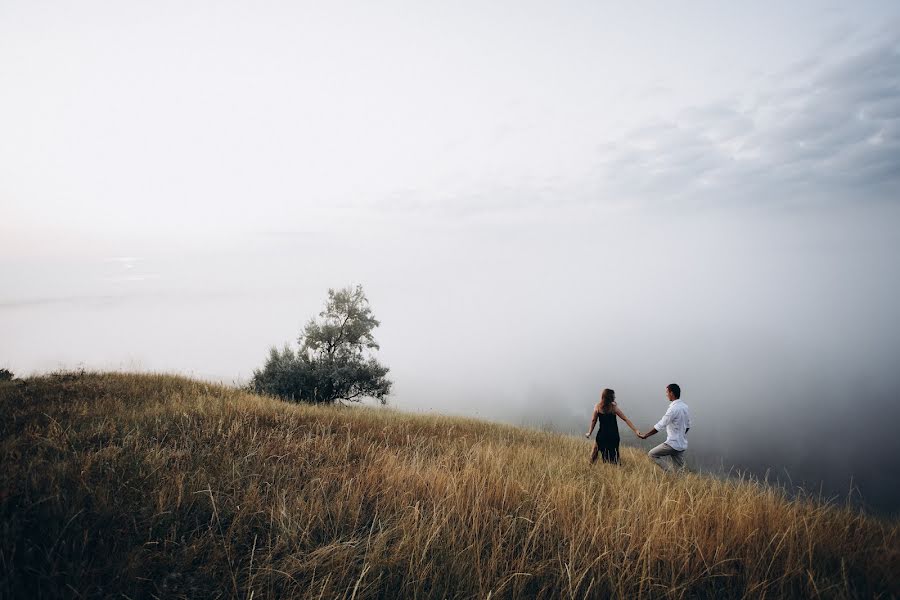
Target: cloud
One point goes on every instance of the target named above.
(127, 270)
(824, 132)
(125, 260)
(95, 300)
(824, 129)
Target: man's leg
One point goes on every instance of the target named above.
(678, 459)
(660, 453)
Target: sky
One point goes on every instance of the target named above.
(540, 200)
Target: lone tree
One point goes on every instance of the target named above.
(334, 361)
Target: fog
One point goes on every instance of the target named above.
(780, 325)
(540, 201)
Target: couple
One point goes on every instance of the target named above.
(677, 422)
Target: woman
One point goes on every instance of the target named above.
(606, 412)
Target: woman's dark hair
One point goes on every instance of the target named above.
(675, 389)
(607, 398)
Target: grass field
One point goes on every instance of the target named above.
(139, 486)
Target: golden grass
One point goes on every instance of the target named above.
(158, 486)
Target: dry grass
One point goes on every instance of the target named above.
(158, 486)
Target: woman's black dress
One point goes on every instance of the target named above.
(608, 437)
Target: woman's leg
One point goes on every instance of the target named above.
(594, 453)
(606, 453)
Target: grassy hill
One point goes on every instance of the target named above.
(145, 486)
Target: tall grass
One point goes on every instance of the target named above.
(158, 486)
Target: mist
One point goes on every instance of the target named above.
(780, 325)
(540, 201)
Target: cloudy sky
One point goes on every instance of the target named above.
(540, 200)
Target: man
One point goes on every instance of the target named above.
(677, 422)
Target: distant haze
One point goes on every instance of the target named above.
(540, 202)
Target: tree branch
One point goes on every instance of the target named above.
(333, 345)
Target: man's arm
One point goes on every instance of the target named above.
(648, 434)
(659, 426)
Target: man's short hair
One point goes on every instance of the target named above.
(675, 389)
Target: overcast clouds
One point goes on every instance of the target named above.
(540, 201)
(828, 130)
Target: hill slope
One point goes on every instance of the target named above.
(154, 485)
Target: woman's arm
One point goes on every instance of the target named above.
(629, 423)
(593, 422)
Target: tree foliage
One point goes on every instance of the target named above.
(334, 361)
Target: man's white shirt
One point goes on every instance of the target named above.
(677, 421)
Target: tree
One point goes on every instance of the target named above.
(334, 361)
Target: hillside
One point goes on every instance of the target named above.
(159, 486)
